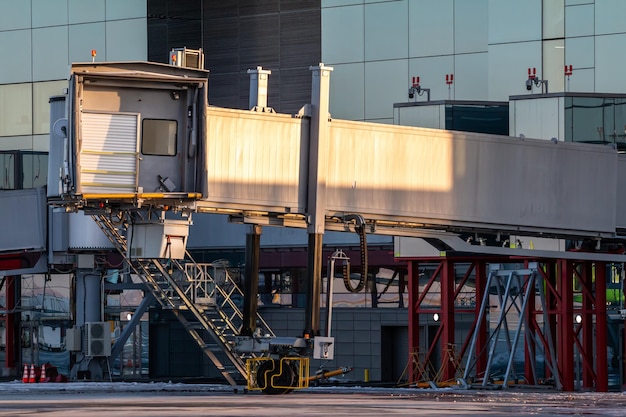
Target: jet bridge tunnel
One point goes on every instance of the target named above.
(143, 137)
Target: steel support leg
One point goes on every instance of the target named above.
(587, 362)
(11, 357)
(565, 324)
(480, 271)
(530, 351)
(314, 285)
(447, 319)
(550, 316)
(251, 292)
(414, 323)
(88, 296)
(601, 336)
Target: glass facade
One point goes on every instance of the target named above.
(479, 119)
(596, 120)
(23, 169)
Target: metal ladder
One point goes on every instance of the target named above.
(206, 308)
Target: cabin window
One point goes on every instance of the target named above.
(159, 137)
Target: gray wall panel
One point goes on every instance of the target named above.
(452, 177)
(24, 219)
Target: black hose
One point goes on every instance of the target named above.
(360, 229)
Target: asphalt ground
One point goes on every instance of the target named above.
(96, 399)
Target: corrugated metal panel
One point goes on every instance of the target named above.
(108, 155)
(84, 233)
(455, 178)
(255, 159)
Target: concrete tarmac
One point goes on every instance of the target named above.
(169, 400)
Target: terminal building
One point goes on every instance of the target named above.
(537, 69)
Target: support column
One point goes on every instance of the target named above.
(414, 322)
(530, 349)
(88, 297)
(13, 352)
(314, 285)
(251, 288)
(316, 198)
(601, 337)
(565, 324)
(447, 319)
(480, 271)
(401, 288)
(550, 327)
(587, 361)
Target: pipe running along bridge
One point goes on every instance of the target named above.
(139, 140)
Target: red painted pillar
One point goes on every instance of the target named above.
(601, 337)
(587, 362)
(551, 304)
(414, 322)
(447, 319)
(565, 324)
(10, 359)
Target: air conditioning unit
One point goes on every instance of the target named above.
(189, 58)
(98, 338)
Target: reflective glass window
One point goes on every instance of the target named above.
(159, 137)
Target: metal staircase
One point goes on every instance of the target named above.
(202, 296)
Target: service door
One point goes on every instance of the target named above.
(162, 140)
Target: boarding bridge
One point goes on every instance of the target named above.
(141, 134)
(141, 140)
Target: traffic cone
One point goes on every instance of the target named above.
(25, 374)
(31, 376)
(42, 377)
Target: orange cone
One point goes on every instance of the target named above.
(25, 374)
(42, 377)
(31, 376)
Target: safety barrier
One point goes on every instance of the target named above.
(277, 376)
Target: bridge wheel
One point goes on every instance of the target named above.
(296, 376)
(270, 371)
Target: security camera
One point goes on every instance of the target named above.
(529, 84)
(411, 94)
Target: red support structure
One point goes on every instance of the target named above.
(565, 324)
(414, 322)
(601, 339)
(572, 331)
(447, 317)
(10, 358)
(550, 277)
(443, 354)
(587, 313)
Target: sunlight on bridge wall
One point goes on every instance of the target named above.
(255, 159)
